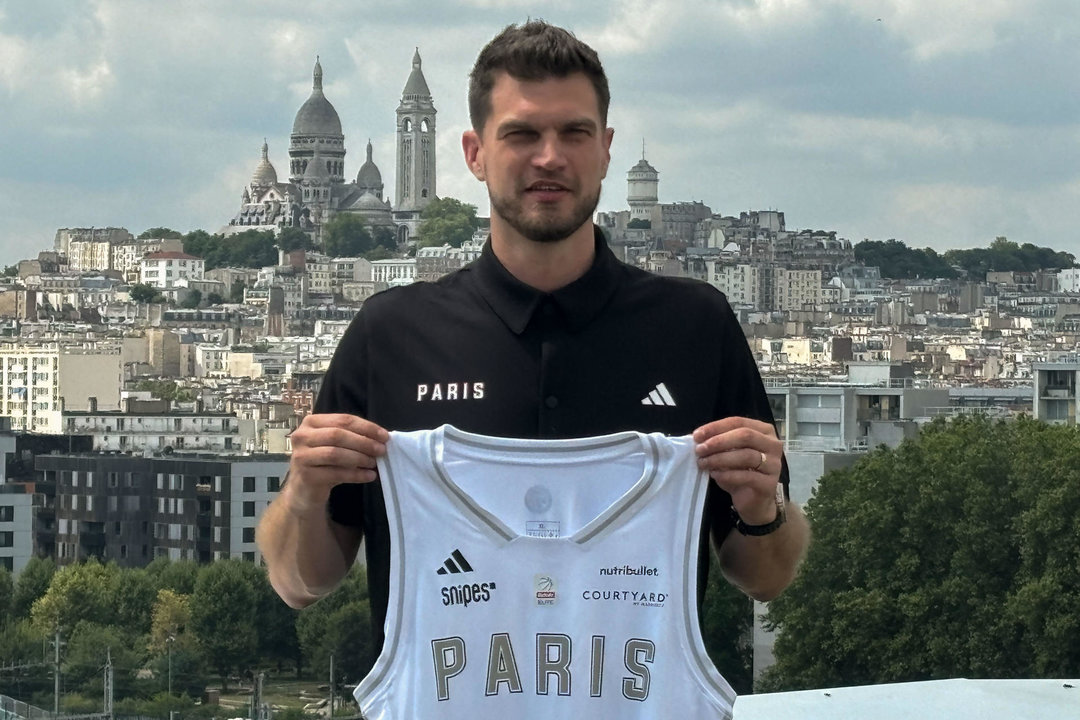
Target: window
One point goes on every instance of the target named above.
(7, 513)
(249, 509)
(249, 534)
(7, 538)
(249, 484)
(273, 484)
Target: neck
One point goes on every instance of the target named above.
(545, 266)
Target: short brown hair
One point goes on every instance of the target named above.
(533, 51)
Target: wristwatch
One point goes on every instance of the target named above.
(767, 528)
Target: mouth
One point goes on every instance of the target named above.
(545, 190)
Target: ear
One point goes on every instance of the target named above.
(609, 135)
(474, 153)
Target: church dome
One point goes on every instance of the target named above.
(317, 116)
(264, 174)
(369, 177)
(368, 201)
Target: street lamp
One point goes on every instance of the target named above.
(168, 643)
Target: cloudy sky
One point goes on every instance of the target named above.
(941, 123)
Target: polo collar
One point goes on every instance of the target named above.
(579, 302)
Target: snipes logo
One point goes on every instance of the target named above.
(467, 593)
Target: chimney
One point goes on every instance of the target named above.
(92, 403)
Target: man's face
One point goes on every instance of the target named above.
(542, 153)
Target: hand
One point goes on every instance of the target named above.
(330, 449)
(743, 457)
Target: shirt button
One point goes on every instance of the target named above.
(551, 401)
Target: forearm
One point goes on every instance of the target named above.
(306, 553)
(763, 566)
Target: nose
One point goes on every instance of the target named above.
(549, 153)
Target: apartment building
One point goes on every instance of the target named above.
(153, 426)
(878, 403)
(396, 271)
(163, 269)
(131, 510)
(1055, 392)
(38, 382)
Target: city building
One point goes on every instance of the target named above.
(37, 382)
(1055, 391)
(164, 270)
(130, 509)
(155, 426)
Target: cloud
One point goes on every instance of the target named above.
(941, 121)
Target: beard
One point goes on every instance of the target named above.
(546, 225)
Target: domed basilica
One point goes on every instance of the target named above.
(317, 189)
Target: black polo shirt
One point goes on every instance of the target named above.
(617, 349)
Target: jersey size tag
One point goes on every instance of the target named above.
(542, 528)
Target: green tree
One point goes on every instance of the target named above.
(278, 642)
(21, 642)
(447, 221)
(384, 237)
(236, 294)
(143, 293)
(896, 260)
(134, 594)
(32, 583)
(192, 300)
(82, 591)
(11, 270)
(214, 299)
(293, 238)
(7, 597)
(639, 224)
(727, 626)
(321, 628)
(222, 618)
(166, 390)
(347, 235)
(160, 232)
(85, 656)
(945, 557)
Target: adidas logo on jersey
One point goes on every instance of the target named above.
(455, 564)
(659, 396)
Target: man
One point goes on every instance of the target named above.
(547, 335)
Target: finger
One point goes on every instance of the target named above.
(333, 456)
(748, 459)
(354, 423)
(337, 437)
(330, 476)
(728, 424)
(744, 437)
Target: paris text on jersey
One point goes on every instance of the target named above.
(553, 654)
(449, 391)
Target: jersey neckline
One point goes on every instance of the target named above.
(607, 520)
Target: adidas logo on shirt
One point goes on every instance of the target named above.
(659, 396)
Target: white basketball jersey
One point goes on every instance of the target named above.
(543, 579)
